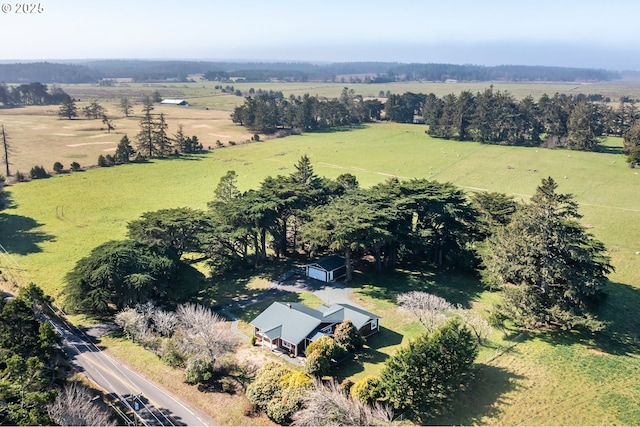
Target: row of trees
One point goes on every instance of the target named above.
(153, 140)
(34, 93)
(560, 270)
(268, 112)
(497, 117)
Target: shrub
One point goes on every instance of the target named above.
(317, 364)
(367, 390)
(278, 391)
(58, 167)
(20, 176)
(266, 384)
(348, 336)
(327, 347)
(102, 161)
(198, 371)
(424, 375)
(634, 157)
(232, 143)
(75, 166)
(170, 354)
(219, 144)
(256, 137)
(38, 172)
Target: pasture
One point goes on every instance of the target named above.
(536, 379)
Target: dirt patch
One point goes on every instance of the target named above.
(597, 351)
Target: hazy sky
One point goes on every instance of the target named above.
(584, 33)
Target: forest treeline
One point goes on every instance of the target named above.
(34, 93)
(377, 72)
(495, 117)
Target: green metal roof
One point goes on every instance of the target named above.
(294, 322)
(330, 263)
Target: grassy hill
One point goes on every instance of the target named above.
(543, 379)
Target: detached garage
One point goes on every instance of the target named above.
(327, 269)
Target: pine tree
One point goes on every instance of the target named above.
(124, 151)
(68, 108)
(161, 139)
(145, 137)
(551, 269)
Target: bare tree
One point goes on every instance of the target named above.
(133, 323)
(76, 405)
(6, 150)
(202, 333)
(125, 106)
(431, 310)
(165, 322)
(479, 326)
(327, 405)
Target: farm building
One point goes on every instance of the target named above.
(175, 102)
(291, 327)
(328, 269)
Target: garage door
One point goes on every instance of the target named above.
(316, 273)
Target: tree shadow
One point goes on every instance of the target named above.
(370, 353)
(236, 285)
(481, 398)
(20, 235)
(454, 286)
(339, 129)
(609, 149)
(621, 334)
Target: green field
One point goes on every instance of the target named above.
(544, 379)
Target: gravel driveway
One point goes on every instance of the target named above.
(330, 293)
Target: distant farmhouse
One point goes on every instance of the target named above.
(175, 102)
(291, 327)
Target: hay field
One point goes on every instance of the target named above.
(39, 137)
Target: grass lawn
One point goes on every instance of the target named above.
(558, 379)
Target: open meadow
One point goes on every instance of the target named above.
(536, 379)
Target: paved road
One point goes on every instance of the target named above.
(153, 406)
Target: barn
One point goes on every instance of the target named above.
(328, 269)
(175, 102)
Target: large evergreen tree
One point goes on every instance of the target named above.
(551, 269)
(424, 375)
(68, 109)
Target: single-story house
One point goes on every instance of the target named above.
(328, 269)
(175, 102)
(292, 326)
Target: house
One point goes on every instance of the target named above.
(291, 327)
(175, 102)
(328, 269)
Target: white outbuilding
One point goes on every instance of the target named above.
(328, 269)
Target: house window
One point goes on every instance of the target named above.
(374, 324)
(326, 329)
(286, 345)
